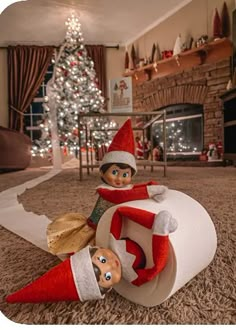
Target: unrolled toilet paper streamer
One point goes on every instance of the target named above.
(30, 226)
(192, 248)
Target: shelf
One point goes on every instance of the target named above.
(229, 95)
(208, 53)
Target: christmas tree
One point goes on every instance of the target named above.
(72, 90)
(102, 130)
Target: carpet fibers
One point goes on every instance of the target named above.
(209, 298)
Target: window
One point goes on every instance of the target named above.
(184, 130)
(35, 112)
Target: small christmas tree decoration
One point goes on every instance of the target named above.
(190, 43)
(153, 52)
(178, 45)
(133, 57)
(225, 22)
(217, 28)
(126, 60)
(158, 53)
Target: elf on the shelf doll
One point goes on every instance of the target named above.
(91, 272)
(86, 275)
(71, 232)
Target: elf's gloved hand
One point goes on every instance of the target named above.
(164, 223)
(157, 192)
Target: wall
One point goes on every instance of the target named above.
(3, 89)
(195, 19)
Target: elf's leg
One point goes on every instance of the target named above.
(163, 225)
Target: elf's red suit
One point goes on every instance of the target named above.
(109, 196)
(131, 253)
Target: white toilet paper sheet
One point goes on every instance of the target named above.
(193, 246)
(30, 226)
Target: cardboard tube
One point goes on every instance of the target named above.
(192, 246)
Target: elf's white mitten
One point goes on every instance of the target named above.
(157, 192)
(164, 223)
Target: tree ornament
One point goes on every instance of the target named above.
(225, 22)
(217, 28)
(73, 63)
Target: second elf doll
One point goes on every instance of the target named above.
(71, 232)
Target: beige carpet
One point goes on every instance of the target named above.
(209, 298)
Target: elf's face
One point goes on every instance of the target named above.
(117, 177)
(109, 265)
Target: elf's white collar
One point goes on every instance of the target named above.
(126, 259)
(106, 186)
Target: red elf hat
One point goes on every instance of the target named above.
(73, 279)
(122, 148)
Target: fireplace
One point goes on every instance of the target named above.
(184, 130)
(192, 100)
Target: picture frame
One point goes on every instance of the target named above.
(120, 90)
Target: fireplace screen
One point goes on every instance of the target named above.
(184, 134)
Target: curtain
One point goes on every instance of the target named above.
(98, 55)
(27, 66)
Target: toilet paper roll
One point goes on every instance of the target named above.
(192, 246)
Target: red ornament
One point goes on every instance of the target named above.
(65, 72)
(65, 153)
(167, 54)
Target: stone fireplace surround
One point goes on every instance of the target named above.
(201, 84)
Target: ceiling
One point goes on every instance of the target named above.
(108, 22)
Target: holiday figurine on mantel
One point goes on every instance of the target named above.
(73, 231)
(212, 153)
(178, 45)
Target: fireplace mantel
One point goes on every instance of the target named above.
(208, 53)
